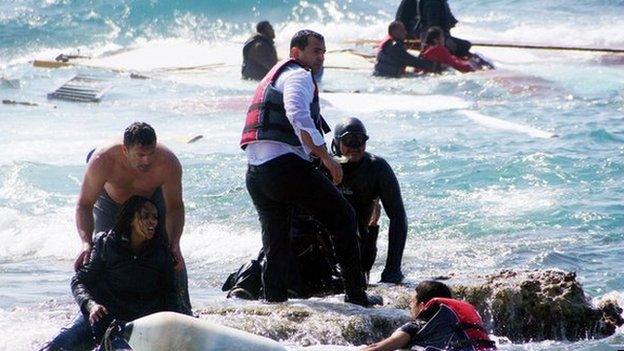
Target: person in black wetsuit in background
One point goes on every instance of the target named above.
(259, 54)
(420, 15)
(367, 179)
(393, 58)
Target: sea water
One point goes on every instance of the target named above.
(478, 198)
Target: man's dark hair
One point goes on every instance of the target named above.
(139, 133)
(429, 289)
(432, 35)
(300, 39)
(262, 26)
(393, 26)
(123, 223)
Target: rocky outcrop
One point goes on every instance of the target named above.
(540, 305)
(519, 305)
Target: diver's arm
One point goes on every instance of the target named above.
(397, 340)
(390, 195)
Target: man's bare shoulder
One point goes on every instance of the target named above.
(168, 160)
(104, 158)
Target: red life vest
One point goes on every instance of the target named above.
(468, 322)
(439, 53)
(266, 116)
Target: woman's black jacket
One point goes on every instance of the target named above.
(128, 285)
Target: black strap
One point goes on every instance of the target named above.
(324, 126)
(266, 126)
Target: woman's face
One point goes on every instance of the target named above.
(145, 221)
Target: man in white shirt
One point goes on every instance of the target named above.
(282, 130)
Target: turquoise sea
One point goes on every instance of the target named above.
(480, 196)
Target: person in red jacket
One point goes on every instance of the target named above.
(440, 323)
(434, 50)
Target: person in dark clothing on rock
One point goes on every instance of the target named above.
(259, 54)
(393, 58)
(420, 15)
(130, 275)
(368, 178)
(440, 323)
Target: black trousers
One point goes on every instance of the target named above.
(276, 188)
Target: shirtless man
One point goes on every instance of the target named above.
(138, 166)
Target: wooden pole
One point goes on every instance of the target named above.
(416, 42)
(548, 47)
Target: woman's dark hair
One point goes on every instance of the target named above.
(123, 224)
(430, 289)
(300, 39)
(432, 35)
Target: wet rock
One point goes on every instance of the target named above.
(539, 305)
(519, 305)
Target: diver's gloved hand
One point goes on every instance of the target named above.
(392, 276)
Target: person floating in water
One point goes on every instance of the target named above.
(129, 275)
(440, 323)
(435, 51)
(259, 54)
(393, 58)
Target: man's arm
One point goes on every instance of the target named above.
(298, 94)
(174, 219)
(407, 59)
(92, 184)
(397, 340)
(320, 151)
(390, 195)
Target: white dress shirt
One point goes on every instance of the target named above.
(297, 86)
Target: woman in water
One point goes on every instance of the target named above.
(130, 275)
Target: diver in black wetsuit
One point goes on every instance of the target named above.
(259, 54)
(368, 178)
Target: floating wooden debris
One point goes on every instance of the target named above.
(82, 88)
(194, 139)
(24, 103)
